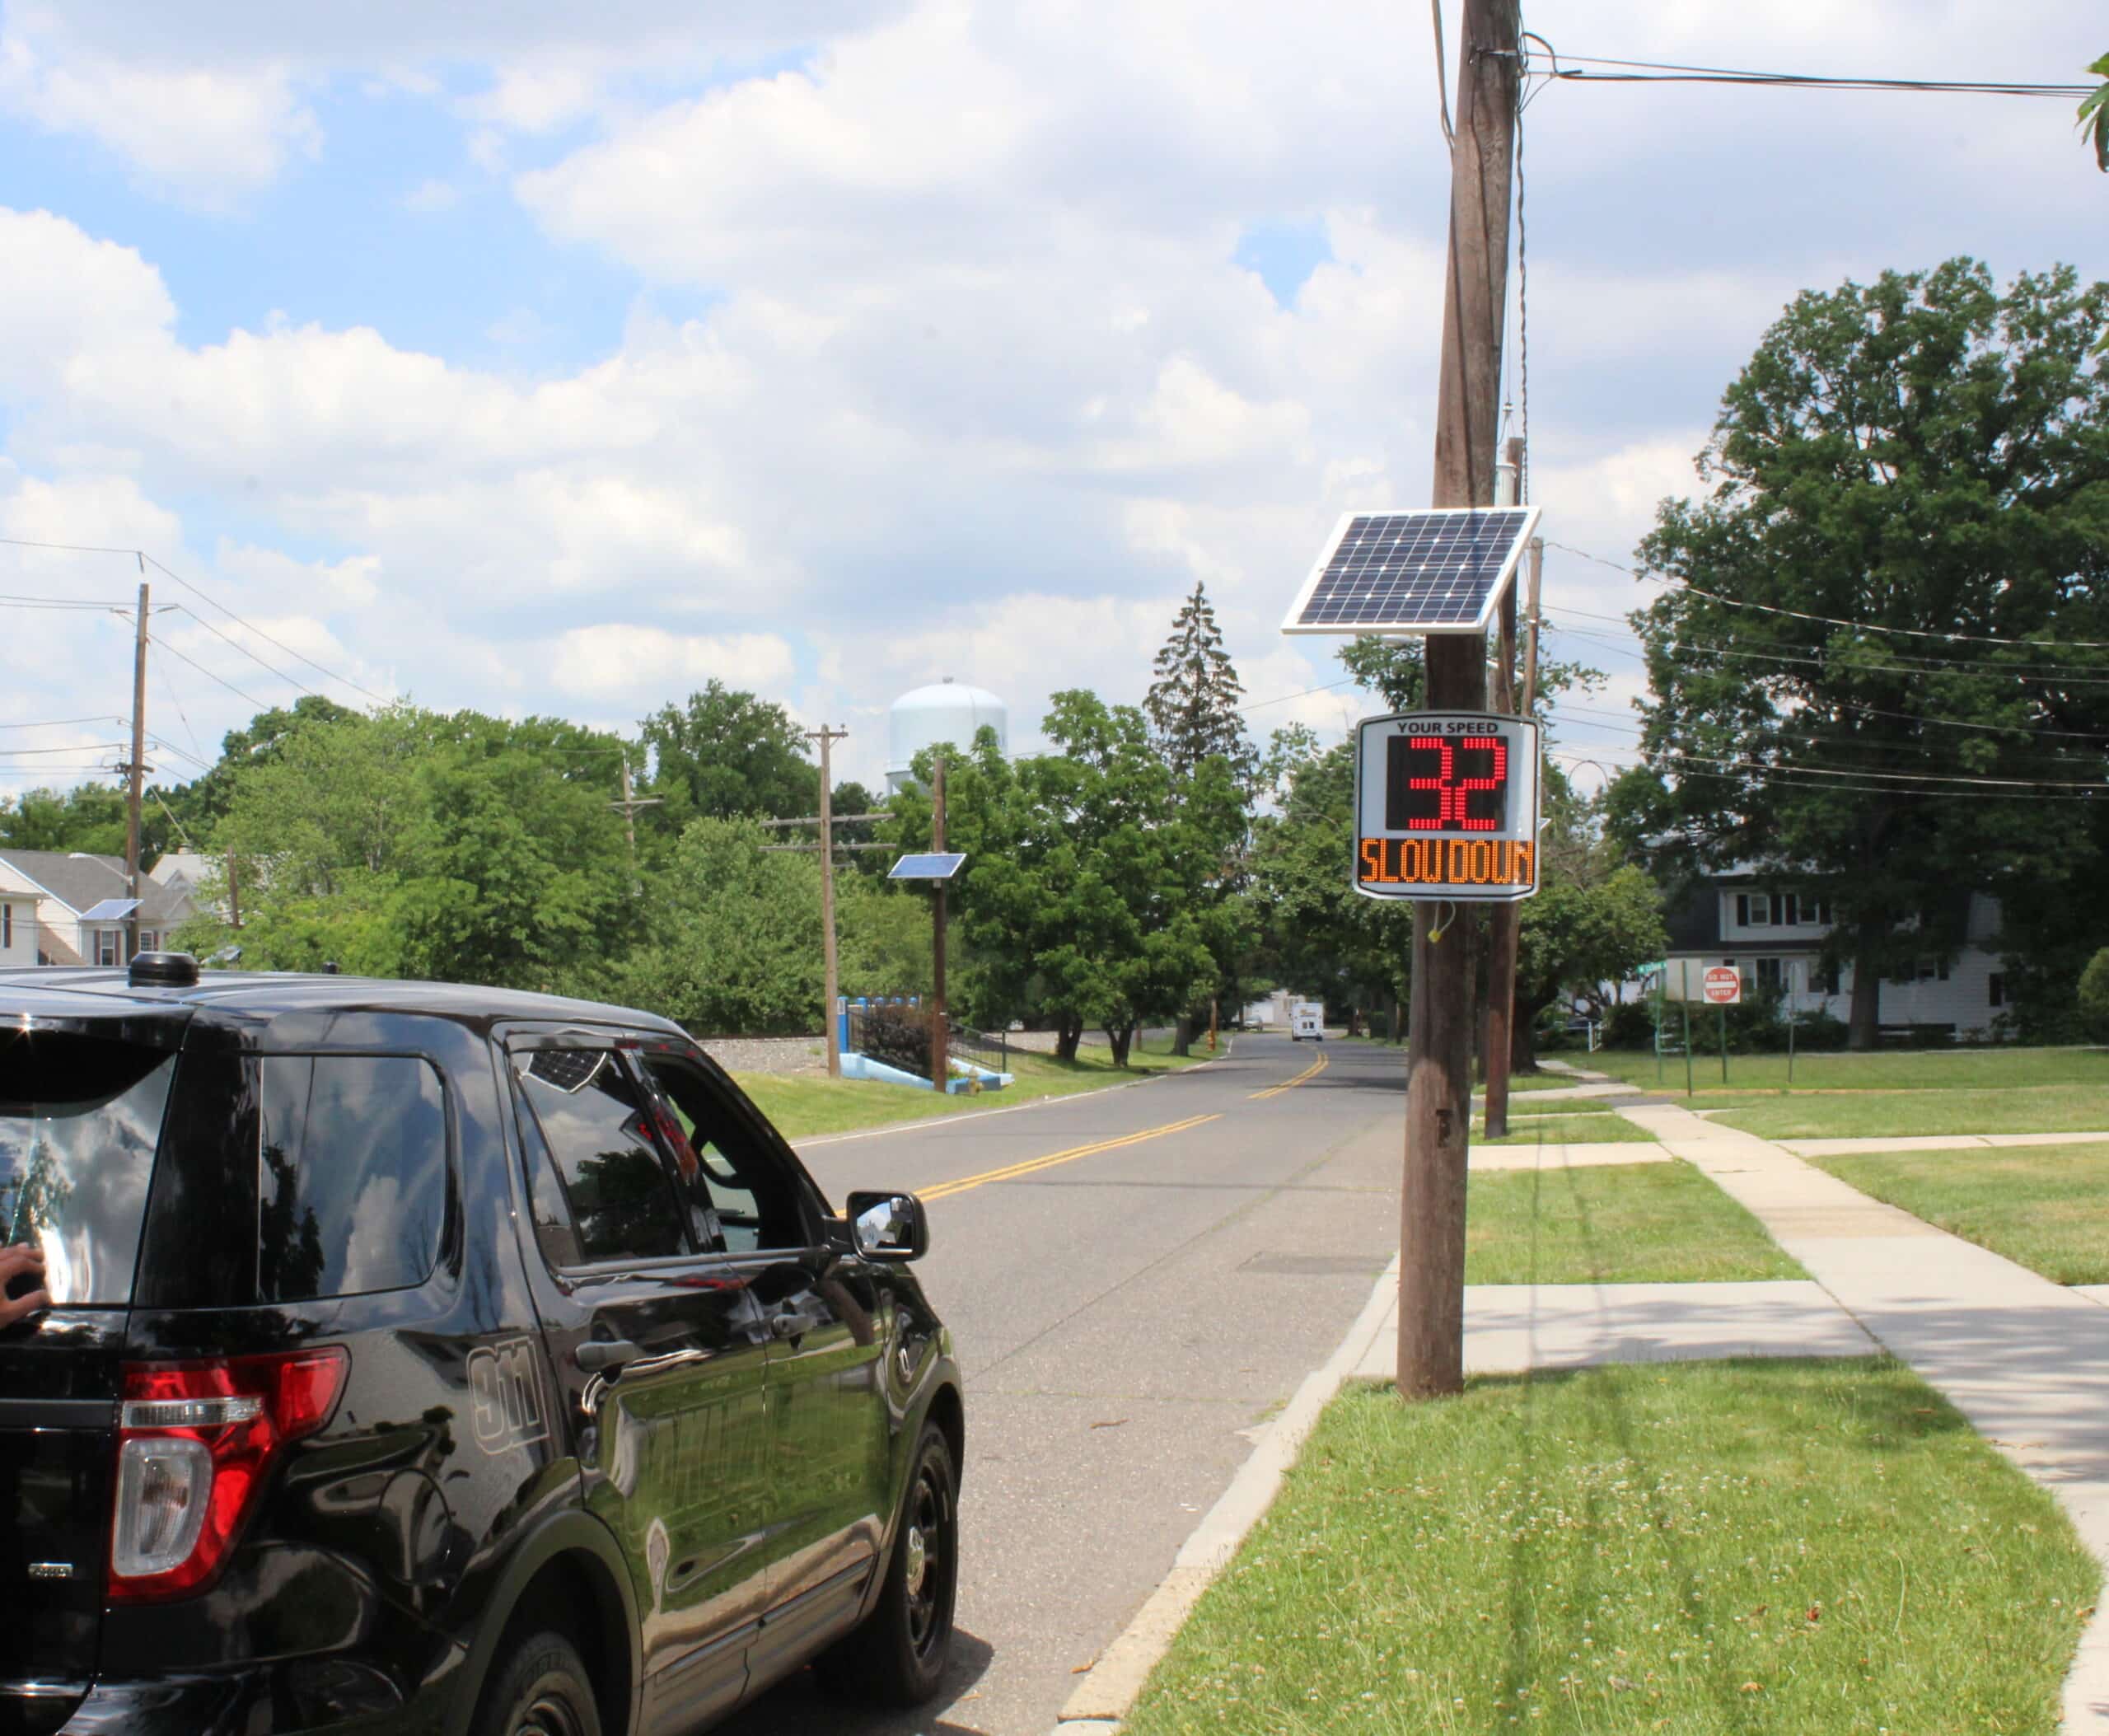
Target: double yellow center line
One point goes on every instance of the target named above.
(1312, 1072)
(946, 1190)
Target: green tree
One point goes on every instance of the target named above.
(1596, 918)
(2094, 115)
(460, 847)
(2094, 996)
(1320, 938)
(89, 816)
(1093, 891)
(731, 935)
(725, 753)
(203, 803)
(1906, 491)
(1194, 693)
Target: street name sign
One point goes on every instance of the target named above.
(1447, 807)
(1723, 985)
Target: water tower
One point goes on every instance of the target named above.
(947, 711)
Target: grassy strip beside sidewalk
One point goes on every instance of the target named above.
(1576, 1128)
(1907, 1114)
(2046, 1207)
(1904, 1070)
(808, 1106)
(1768, 1548)
(1619, 1224)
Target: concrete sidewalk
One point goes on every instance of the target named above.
(1512, 1326)
(2025, 1360)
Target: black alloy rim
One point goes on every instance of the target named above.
(548, 1712)
(930, 1522)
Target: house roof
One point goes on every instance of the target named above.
(80, 881)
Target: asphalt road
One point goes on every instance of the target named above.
(1135, 1279)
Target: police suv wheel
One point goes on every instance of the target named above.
(899, 1656)
(541, 1689)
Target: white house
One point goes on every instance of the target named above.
(1773, 933)
(75, 906)
(17, 928)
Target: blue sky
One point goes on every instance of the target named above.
(506, 357)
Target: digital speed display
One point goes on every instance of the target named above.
(1447, 807)
(1443, 783)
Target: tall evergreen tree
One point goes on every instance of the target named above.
(1194, 698)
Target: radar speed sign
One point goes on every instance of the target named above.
(1447, 807)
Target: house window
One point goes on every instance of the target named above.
(1830, 978)
(109, 943)
(1761, 909)
(150, 941)
(1772, 975)
(1996, 988)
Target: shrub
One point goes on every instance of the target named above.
(898, 1035)
(2094, 996)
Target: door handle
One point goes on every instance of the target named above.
(792, 1324)
(594, 1354)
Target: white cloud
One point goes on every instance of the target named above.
(206, 131)
(433, 195)
(642, 665)
(978, 390)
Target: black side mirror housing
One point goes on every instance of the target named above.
(887, 1226)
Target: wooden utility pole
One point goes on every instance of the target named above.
(1505, 921)
(831, 988)
(940, 1033)
(1438, 1080)
(627, 807)
(136, 779)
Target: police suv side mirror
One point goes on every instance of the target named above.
(888, 1226)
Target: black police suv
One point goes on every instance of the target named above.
(432, 1359)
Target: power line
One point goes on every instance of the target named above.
(65, 603)
(77, 747)
(147, 560)
(268, 668)
(249, 699)
(1743, 769)
(61, 722)
(300, 656)
(1570, 67)
(1827, 620)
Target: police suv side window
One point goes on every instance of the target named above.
(617, 1201)
(351, 1175)
(739, 1197)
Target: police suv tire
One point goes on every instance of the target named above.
(539, 1688)
(898, 1656)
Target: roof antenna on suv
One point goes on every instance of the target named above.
(163, 971)
(330, 967)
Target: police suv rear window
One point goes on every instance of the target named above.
(79, 1119)
(352, 1177)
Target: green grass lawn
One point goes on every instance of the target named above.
(806, 1106)
(1907, 1069)
(1782, 1548)
(1883, 1114)
(1613, 1223)
(2045, 1206)
(1526, 1128)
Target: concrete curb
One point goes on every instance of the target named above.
(1103, 1697)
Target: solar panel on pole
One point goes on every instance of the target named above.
(1440, 571)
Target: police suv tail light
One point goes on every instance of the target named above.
(194, 1441)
